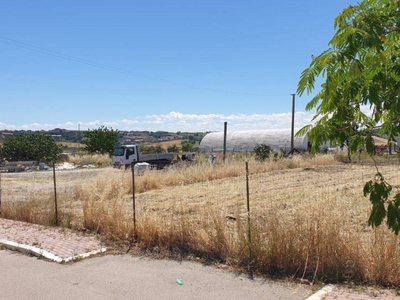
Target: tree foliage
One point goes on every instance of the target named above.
(361, 69)
(187, 146)
(262, 152)
(151, 149)
(36, 147)
(101, 140)
(174, 148)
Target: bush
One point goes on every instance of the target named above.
(35, 147)
(262, 152)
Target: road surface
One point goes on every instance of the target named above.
(128, 277)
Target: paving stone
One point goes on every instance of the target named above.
(63, 245)
(55, 243)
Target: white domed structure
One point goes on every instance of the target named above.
(247, 140)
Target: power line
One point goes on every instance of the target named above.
(44, 51)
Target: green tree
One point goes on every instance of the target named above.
(187, 146)
(37, 147)
(362, 68)
(101, 140)
(151, 149)
(159, 149)
(262, 152)
(174, 149)
(143, 148)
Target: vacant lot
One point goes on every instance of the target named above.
(308, 218)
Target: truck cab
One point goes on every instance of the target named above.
(126, 155)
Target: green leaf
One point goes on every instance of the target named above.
(397, 200)
(367, 188)
(370, 145)
(378, 214)
(303, 131)
(360, 68)
(393, 217)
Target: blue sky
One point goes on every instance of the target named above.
(173, 65)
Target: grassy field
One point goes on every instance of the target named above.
(308, 218)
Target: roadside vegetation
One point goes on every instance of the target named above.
(311, 218)
(308, 218)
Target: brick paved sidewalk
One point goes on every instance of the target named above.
(54, 243)
(361, 293)
(63, 245)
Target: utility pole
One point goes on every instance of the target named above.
(292, 136)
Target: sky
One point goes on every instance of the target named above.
(159, 65)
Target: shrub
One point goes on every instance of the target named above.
(262, 152)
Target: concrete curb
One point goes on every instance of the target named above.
(46, 254)
(322, 292)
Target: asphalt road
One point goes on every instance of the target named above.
(127, 277)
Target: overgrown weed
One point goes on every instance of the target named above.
(307, 219)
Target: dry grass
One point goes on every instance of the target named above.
(98, 160)
(308, 216)
(166, 144)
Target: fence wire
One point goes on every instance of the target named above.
(287, 190)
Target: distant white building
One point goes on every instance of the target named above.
(247, 140)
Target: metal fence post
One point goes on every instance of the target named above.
(133, 199)
(249, 221)
(55, 194)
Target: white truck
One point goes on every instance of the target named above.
(126, 155)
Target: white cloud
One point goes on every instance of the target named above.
(366, 109)
(176, 121)
(126, 122)
(96, 123)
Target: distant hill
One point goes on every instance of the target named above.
(75, 138)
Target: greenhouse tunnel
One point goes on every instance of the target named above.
(247, 140)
